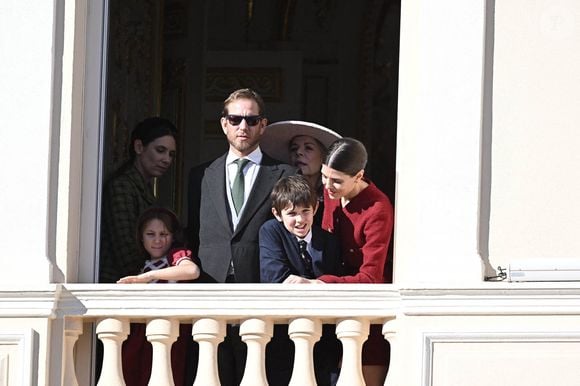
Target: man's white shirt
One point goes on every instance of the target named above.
(250, 174)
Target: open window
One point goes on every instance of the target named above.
(333, 63)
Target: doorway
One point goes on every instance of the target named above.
(331, 62)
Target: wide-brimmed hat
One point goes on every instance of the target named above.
(276, 138)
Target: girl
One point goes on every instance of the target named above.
(361, 216)
(158, 235)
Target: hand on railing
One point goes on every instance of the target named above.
(295, 279)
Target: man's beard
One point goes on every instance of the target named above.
(243, 146)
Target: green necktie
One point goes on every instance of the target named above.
(238, 185)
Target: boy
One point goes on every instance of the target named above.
(283, 260)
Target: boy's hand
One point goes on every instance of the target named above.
(295, 279)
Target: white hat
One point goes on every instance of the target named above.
(276, 138)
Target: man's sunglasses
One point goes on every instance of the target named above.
(251, 120)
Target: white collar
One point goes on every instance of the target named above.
(307, 238)
(255, 156)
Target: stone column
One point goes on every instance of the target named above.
(305, 333)
(208, 333)
(256, 333)
(73, 328)
(112, 332)
(352, 333)
(390, 331)
(162, 333)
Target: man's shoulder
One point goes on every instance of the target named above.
(206, 164)
(198, 171)
(269, 161)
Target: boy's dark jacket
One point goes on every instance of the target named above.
(280, 256)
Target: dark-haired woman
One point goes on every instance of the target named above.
(361, 216)
(129, 192)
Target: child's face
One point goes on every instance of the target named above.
(156, 239)
(296, 219)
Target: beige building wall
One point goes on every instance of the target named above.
(536, 120)
(487, 153)
(456, 108)
(26, 106)
(439, 142)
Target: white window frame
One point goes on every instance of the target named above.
(93, 129)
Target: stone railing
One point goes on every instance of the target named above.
(46, 331)
(255, 307)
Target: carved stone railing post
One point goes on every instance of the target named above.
(208, 333)
(352, 333)
(305, 333)
(112, 332)
(256, 333)
(390, 331)
(73, 328)
(162, 333)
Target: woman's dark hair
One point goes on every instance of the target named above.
(347, 155)
(148, 130)
(164, 215)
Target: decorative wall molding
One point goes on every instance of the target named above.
(275, 77)
(134, 72)
(561, 298)
(17, 357)
(431, 339)
(29, 302)
(221, 81)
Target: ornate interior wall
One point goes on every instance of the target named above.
(330, 62)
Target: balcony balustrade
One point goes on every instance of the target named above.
(210, 307)
(427, 328)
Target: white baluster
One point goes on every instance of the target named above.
(256, 333)
(162, 333)
(305, 333)
(390, 330)
(208, 333)
(352, 333)
(112, 332)
(73, 327)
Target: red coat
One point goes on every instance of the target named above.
(364, 227)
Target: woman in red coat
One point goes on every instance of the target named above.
(361, 216)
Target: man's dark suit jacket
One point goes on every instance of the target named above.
(209, 217)
(280, 256)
